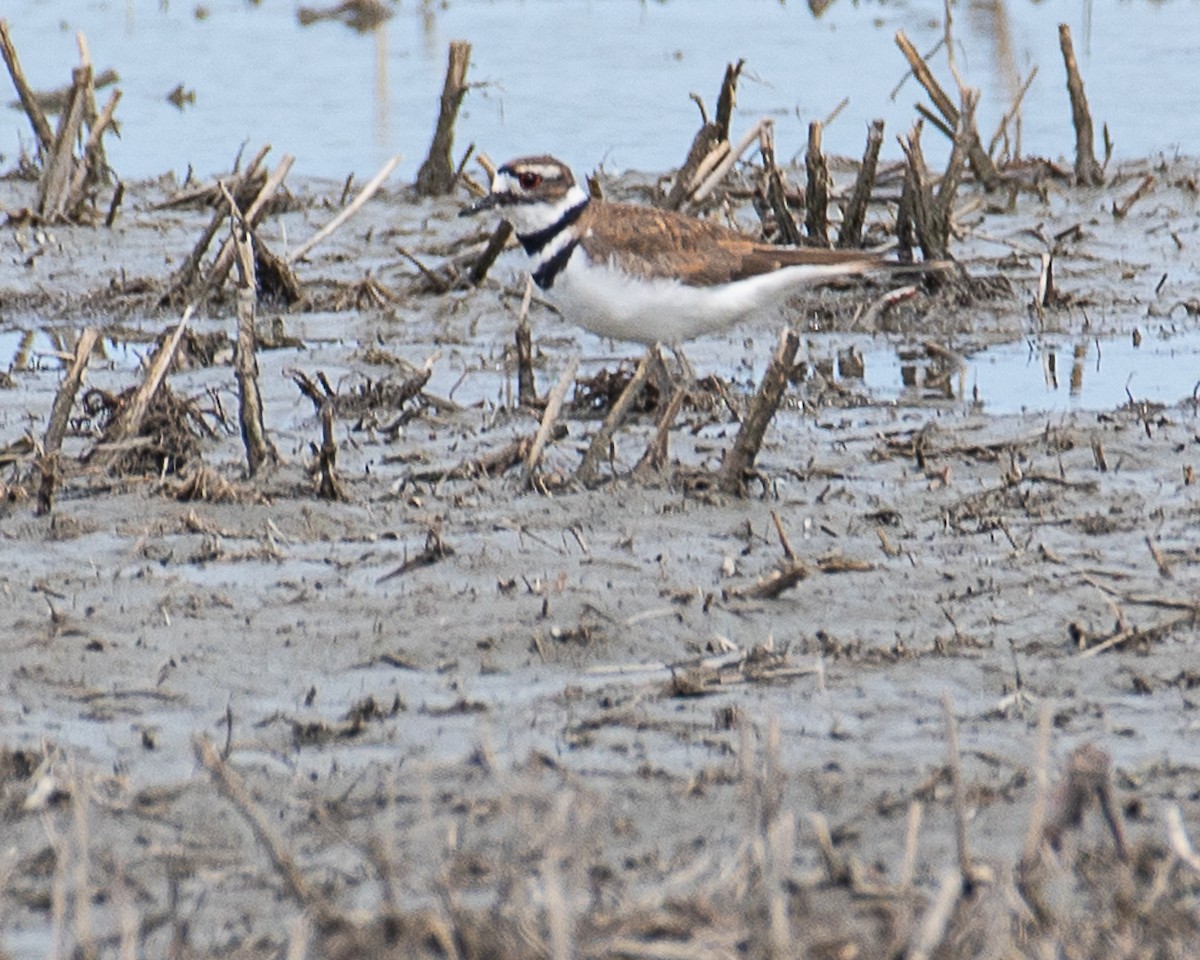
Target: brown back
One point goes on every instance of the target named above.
(648, 242)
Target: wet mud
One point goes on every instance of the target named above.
(460, 714)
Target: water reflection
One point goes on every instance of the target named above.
(427, 12)
(1162, 366)
(989, 20)
(363, 16)
(1008, 378)
(53, 348)
(931, 372)
(1080, 354)
(382, 100)
(610, 85)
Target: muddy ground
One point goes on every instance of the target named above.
(573, 729)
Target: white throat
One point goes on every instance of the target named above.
(529, 218)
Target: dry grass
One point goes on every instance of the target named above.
(1068, 892)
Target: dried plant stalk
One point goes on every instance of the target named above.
(1087, 170)
(750, 435)
(855, 215)
(816, 205)
(437, 173)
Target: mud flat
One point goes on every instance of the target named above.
(455, 715)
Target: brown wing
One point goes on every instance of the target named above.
(661, 243)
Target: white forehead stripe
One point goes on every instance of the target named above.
(510, 178)
(543, 170)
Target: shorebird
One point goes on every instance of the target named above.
(641, 274)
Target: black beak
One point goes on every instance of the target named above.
(478, 206)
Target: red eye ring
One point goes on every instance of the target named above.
(528, 179)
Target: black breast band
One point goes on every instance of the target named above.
(535, 242)
(544, 275)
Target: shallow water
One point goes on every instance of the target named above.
(1051, 374)
(31, 349)
(594, 82)
(1036, 375)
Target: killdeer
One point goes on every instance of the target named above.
(650, 276)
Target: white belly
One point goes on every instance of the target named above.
(611, 303)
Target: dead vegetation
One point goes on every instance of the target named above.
(1075, 885)
(69, 182)
(925, 218)
(1078, 883)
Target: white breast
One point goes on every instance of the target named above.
(611, 303)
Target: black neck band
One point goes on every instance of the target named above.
(544, 275)
(535, 242)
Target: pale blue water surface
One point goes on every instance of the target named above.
(1056, 374)
(605, 81)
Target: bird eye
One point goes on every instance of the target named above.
(529, 180)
